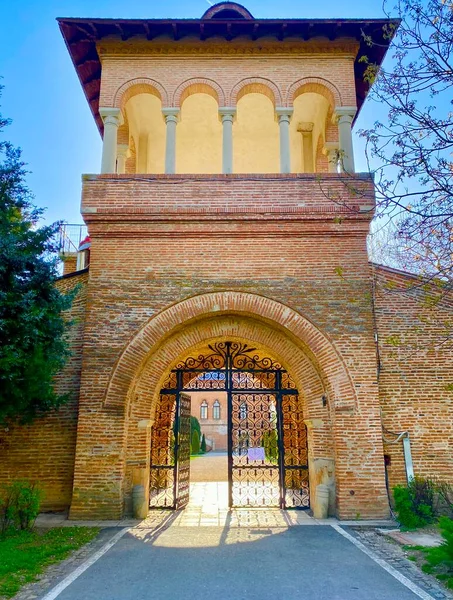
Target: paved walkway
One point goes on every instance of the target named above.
(208, 506)
(212, 466)
(228, 563)
(241, 554)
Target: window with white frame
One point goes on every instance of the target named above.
(216, 410)
(204, 410)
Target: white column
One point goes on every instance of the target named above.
(284, 116)
(112, 118)
(306, 129)
(171, 119)
(344, 115)
(123, 154)
(331, 151)
(227, 115)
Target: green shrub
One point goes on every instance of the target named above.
(19, 505)
(269, 441)
(414, 504)
(195, 443)
(440, 558)
(444, 493)
(203, 443)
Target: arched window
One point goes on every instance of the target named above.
(243, 411)
(204, 410)
(216, 410)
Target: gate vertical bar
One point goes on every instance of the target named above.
(281, 445)
(176, 434)
(229, 390)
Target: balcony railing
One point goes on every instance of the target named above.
(69, 237)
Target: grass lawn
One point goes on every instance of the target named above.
(420, 555)
(25, 554)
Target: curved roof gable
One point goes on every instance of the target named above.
(227, 10)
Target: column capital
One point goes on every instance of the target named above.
(305, 127)
(171, 115)
(123, 150)
(345, 113)
(227, 113)
(284, 113)
(330, 147)
(111, 116)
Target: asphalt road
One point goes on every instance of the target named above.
(304, 562)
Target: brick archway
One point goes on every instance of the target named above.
(313, 343)
(198, 85)
(344, 436)
(191, 340)
(255, 84)
(315, 85)
(140, 85)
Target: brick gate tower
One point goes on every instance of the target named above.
(226, 256)
(227, 208)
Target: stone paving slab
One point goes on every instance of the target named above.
(209, 506)
(415, 538)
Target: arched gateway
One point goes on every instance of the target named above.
(267, 437)
(296, 389)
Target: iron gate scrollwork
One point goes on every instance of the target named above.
(170, 452)
(267, 437)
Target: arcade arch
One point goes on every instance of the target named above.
(199, 137)
(142, 108)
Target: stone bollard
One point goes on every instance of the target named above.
(139, 507)
(321, 507)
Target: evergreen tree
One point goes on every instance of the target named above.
(203, 443)
(195, 425)
(195, 446)
(32, 348)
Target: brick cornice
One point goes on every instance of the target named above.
(272, 200)
(348, 48)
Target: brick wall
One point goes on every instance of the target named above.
(44, 450)
(286, 64)
(416, 378)
(158, 242)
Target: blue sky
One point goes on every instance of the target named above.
(51, 119)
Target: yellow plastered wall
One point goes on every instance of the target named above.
(199, 136)
(256, 136)
(147, 128)
(308, 108)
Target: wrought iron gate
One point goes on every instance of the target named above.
(170, 452)
(267, 439)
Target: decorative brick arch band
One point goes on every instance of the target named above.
(316, 85)
(255, 84)
(197, 86)
(193, 340)
(143, 85)
(312, 341)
